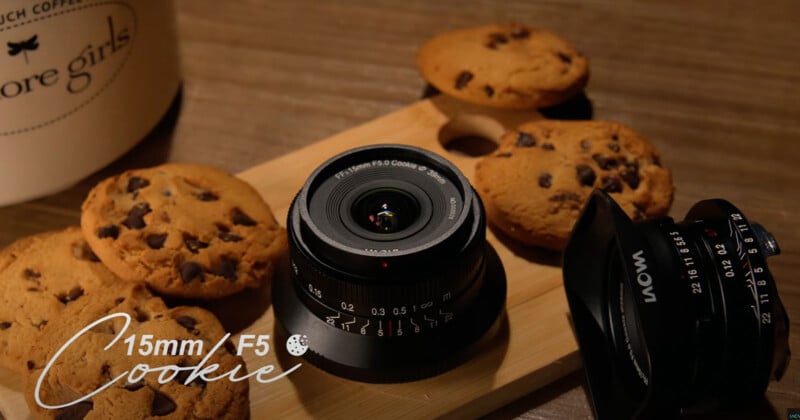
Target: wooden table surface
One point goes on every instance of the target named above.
(714, 84)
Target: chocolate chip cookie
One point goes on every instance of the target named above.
(187, 230)
(180, 338)
(504, 65)
(40, 277)
(536, 183)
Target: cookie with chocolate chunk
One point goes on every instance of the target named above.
(187, 230)
(504, 65)
(40, 277)
(141, 364)
(538, 180)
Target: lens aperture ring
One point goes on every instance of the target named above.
(426, 317)
(705, 305)
(360, 297)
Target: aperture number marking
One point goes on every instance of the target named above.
(688, 262)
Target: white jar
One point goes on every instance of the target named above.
(81, 82)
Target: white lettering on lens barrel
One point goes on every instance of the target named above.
(642, 277)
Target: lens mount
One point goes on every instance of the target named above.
(391, 275)
(673, 317)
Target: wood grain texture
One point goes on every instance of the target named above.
(712, 83)
(532, 346)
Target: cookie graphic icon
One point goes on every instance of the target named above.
(297, 345)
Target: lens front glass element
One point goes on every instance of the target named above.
(377, 201)
(385, 210)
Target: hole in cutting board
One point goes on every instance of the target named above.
(471, 135)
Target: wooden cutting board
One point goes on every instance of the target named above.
(534, 346)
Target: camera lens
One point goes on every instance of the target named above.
(391, 276)
(385, 210)
(674, 317)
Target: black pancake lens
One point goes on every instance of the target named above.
(391, 276)
(386, 210)
(674, 317)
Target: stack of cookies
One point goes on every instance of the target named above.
(539, 178)
(176, 230)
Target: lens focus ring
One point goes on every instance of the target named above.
(360, 296)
